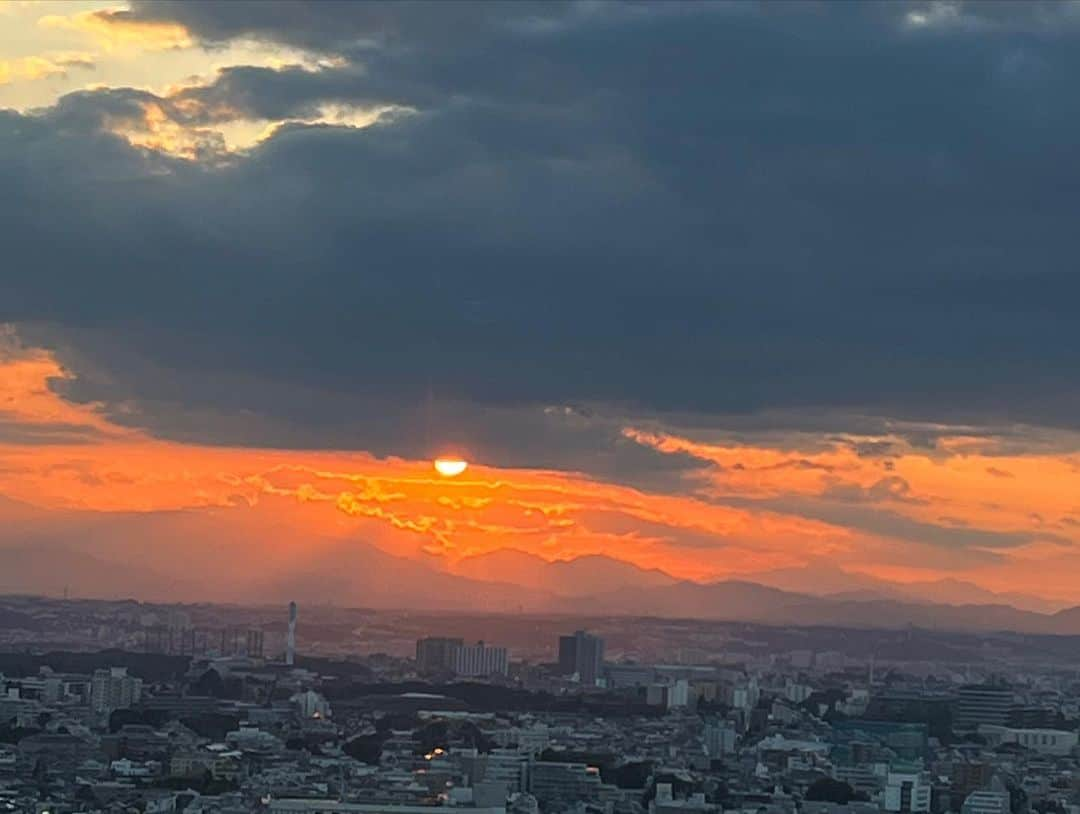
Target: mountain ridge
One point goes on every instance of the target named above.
(567, 577)
(830, 580)
(356, 573)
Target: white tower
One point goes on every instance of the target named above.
(290, 642)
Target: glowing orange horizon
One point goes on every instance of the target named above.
(740, 513)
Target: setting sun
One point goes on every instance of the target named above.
(450, 467)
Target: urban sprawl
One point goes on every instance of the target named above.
(128, 707)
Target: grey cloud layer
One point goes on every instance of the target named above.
(695, 208)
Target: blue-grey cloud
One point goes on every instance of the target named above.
(698, 208)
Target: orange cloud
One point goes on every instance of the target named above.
(28, 400)
(42, 67)
(964, 482)
(399, 504)
(157, 130)
(116, 29)
(747, 511)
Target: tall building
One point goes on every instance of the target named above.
(290, 642)
(551, 782)
(1032, 717)
(719, 739)
(439, 654)
(969, 776)
(978, 704)
(668, 695)
(509, 768)
(479, 660)
(908, 790)
(309, 704)
(583, 655)
(114, 689)
(434, 653)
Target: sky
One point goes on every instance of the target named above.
(715, 288)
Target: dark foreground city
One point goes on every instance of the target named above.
(126, 706)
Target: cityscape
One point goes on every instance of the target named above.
(121, 706)
(539, 407)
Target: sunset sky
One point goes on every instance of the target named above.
(719, 289)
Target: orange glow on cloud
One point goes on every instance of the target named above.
(116, 29)
(965, 483)
(393, 503)
(33, 68)
(735, 517)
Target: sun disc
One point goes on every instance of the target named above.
(449, 467)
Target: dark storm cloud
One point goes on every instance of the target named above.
(339, 26)
(242, 410)
(333, 26)
(705, 208)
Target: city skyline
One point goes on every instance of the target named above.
(794, 309)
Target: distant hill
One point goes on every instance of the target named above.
(733, 600)
(604, 585)
(1066, 621)
(827, 579)
(49, 570)
(752, 602)
(577, 577)
(359, 574)
(184, 556)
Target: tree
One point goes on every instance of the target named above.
(633, 775)
(825, 789)
(432, 736)
(365, 748)
(209, 683)
(10, 732)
